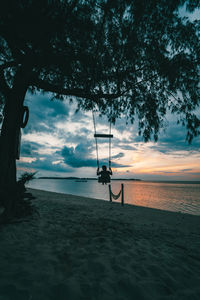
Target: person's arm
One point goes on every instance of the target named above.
(110, 171)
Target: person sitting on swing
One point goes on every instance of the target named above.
(104, 177)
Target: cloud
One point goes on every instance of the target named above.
(80, 156)
(196, 174)
(119, 155)
(44, 113)
(167, 172)
(29, 148)
(44, 163)
(126, 147)
(174, 139)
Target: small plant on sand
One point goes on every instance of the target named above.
(26, 177)
(22, 207)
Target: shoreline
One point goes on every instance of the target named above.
(150, 212)
(82, 248)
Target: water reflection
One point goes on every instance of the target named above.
(168, 196)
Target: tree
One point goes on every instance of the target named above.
(133, 57)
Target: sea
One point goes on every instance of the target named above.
(174, 196)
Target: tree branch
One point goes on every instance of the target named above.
(77, 92)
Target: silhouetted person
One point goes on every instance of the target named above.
(104, 175)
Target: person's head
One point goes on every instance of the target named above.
(104, 168)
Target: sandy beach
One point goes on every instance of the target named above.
(80, 248)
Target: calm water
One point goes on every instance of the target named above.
(181, 197)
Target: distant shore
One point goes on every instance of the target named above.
(81, 248)
(85, 178)
(123, 179)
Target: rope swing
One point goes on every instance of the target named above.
(95, 132)
(102, 135)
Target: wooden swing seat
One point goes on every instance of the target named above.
(102, 135)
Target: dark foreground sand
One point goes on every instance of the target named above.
(80, 248)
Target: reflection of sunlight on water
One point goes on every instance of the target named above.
(168, 196)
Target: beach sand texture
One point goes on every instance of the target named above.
(80, 248)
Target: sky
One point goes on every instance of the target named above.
(60, 142)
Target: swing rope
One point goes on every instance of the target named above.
(96, 142)
(95, 131)
(110, 147)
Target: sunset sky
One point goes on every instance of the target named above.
(59, 142)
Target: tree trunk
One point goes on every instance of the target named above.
(8, 143)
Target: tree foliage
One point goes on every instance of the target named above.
(138, 58)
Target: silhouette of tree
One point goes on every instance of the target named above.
(131, 57)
